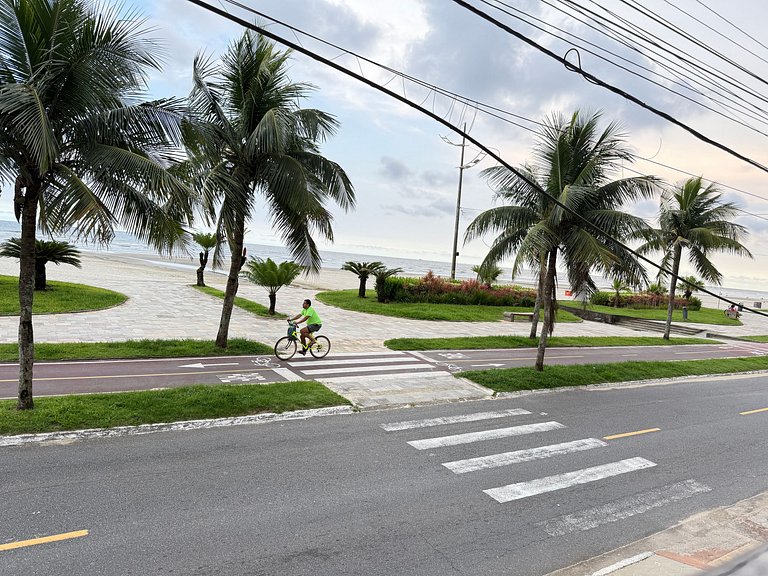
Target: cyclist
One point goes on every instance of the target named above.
(314, 324)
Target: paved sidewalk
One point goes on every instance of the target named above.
(701, 545)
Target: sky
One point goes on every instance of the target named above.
(405, 166)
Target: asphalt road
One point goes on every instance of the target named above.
(56, 378)
(391, 492)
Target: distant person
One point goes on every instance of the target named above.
(313, 321)
(732, 312)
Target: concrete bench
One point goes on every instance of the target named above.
(511, 316)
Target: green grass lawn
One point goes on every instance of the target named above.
(52, 414)
(515, 379)
(348, 300)
(59, 297)
(489, 342)
(135, 349)
(244, 303)
(703, 316)
(755, 338)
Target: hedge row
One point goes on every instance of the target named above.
(643, 300)
(433, 289)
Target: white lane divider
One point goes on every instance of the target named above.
(477, 416)
(624, 508)
(560, 481)
(300, 364)
(518, 456)
(484, 435)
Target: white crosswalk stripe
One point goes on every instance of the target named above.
(518, 456)
(624, 508)
(560, 481)
(470, 437)
(356, 369)
(477, 416)
(359, 363)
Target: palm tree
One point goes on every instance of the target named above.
(207, 242)
(363, 271)
(82, 151)
(46, 251)
(271, 275)
(248, 137)
(487, 274)
(573, 162)
(690, 285)
(382, 274)
(618, 285)
(694, 217)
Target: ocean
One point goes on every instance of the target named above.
(127, 244)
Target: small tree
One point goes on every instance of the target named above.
(271, 275)
(487, 273)
(46, 251)
(381, 280)
(618, 286)
(688, 285)
(207, 242)
(363, 271)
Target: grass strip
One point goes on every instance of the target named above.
(348, 300)
(53, 414)
(515, 379)
(135, 349)
(755, 338)
(489, 342)
(244, 303)
(58, 298)
(703, 316)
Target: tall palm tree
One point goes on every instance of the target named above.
(694, 217)
(46, 251)
(207, 242)
(363, 271)
(82, 151)
(249, 138)
(574, 160)
(271, 275)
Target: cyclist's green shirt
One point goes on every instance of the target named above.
(312, 316)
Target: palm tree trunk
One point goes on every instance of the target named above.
(537, 305)
(549, 312)
(200, 271)
(361, 288)
(272, 302)
(678, 251)
(40, 275)
(26, 296)
(236, 264)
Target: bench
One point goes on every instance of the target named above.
(511, 316)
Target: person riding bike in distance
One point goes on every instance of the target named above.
(314, 324)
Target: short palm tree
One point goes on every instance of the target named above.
(271, 275)
(694, 217)
(690, 285)
(55, 251)
(249, 138)
(487, 274)
(382, 274)
(363, 271)
(574, 161)
(618, 286)
(81, 149)
(207, 242)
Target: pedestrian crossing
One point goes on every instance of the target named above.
(743, 347)
(526, 438)
(353, 363)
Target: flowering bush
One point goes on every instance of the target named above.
(436, 290)
(642, 301)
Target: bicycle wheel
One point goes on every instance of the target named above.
(321, 347)
(285, 348)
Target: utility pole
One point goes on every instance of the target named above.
(458, 208)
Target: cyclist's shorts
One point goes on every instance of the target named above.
(314, 327)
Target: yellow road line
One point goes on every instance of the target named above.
(615, 436)
(753, 411)
(140, 375)
(43, 540)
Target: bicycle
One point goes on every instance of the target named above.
(286, 347)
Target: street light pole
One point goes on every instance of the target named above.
(458, 208)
